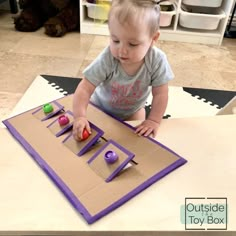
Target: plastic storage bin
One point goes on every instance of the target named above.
(98, 11)
(168, 10)
(203, 3)
(200, 17)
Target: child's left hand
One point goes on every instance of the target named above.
(147, 127)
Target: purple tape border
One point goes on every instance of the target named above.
(50, 172)
(140, 188)
(69, 194)
(130, 156)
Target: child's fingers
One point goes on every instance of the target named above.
(138, 128)
(78, 128)
(154, 133)
(75, 134)
(88, 128)
(148, 132)
(143, 130)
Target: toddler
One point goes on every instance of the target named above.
(121, 78)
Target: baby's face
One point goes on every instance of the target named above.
(129, 43)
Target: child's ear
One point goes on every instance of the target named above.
(155, 37)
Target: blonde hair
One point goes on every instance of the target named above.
(126, 10)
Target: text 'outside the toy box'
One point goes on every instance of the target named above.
(202, 213)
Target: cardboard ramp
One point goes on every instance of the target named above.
(94, 185)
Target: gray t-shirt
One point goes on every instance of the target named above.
(122, 95)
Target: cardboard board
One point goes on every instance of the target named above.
(93, 194)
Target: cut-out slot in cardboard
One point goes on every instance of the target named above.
(40, 112)
(81, 147)
(58, 128)
(119, 158)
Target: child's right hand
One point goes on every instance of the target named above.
(79, 125)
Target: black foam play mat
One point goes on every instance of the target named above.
(183, 101)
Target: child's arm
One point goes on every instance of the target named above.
(80, 103)
(159, 104)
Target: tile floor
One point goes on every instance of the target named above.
(23, 56)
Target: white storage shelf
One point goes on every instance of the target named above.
(175, 28)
